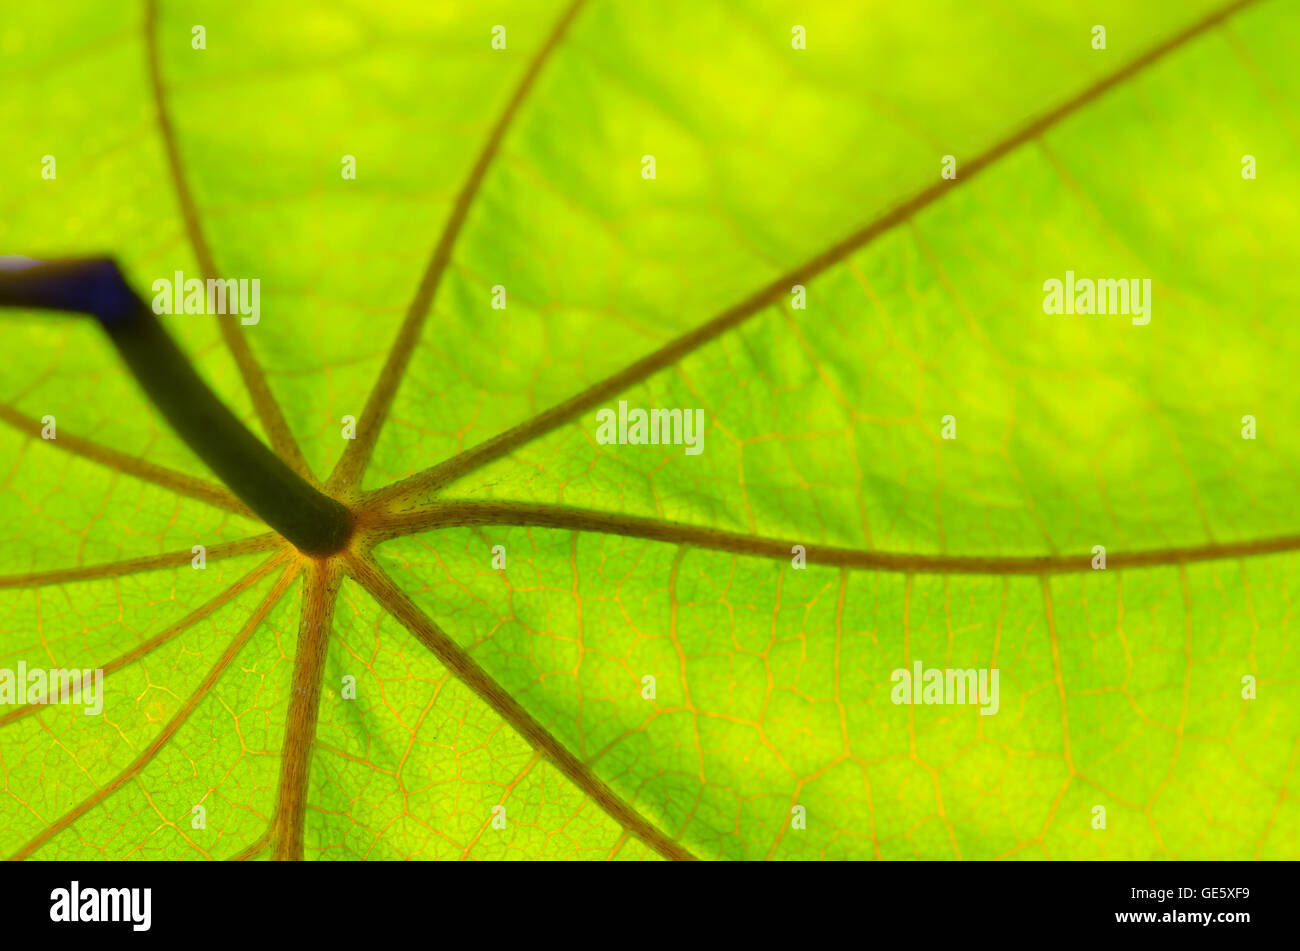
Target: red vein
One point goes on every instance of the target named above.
(170, 479)
(268, 410)
(536, 515)
(168, 731)
(158, 640)
(117, 569)
(356, 457)
(454, 657)
(506, 442)
(254, 849)
(322, 582)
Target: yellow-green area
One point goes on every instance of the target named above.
(1120, 689)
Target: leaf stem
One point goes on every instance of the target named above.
(315, 523)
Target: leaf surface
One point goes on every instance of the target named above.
(385, 703)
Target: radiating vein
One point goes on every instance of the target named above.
(462, 513)
(507, 442)
(254, 849)
(268, 410)
(169, 479)
(373, 578)
(318, 597)
(175, 723)
(356, 457)
(146, 647)
(118, 569)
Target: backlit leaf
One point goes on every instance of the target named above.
(410, 698)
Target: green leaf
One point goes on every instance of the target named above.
(384, 702)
